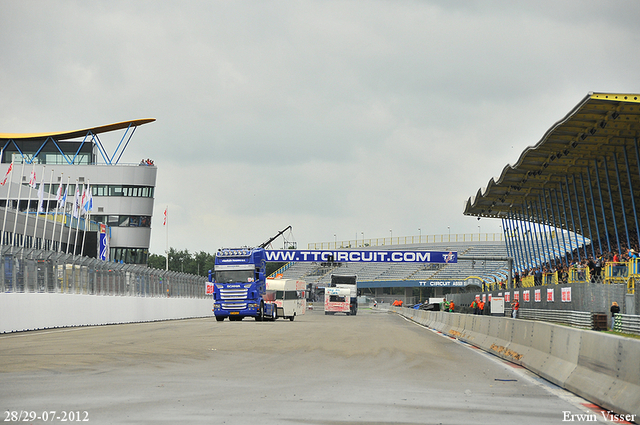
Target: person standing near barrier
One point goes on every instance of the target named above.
(451, 306)
(481, 307)
(515, 306)
(615, 309)
(474, 306)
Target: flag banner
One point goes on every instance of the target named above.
(164, 223)
(32, 179)
(63, 200)
(41, 198)
(87, 200)
(6, 176)
(76, 202)
(362, 256)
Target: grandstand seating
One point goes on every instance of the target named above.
(319, 273)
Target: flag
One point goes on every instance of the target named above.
(62, 201)
(87, 200)
(6, 176)
(164, 223)
(59, 194)
(41, 198)
(76, 202)
(32, 179)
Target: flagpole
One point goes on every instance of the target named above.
(6, 203)
(166, 225)
(40, 199)
(71, 217)
(55, 213)
(26, 219)
(86, 218)
(64, 219)
(46, 213)
(15, 221)
(76, 208)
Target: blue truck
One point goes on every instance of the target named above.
(240, 285)
(240, 288)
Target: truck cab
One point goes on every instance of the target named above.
(240, 285)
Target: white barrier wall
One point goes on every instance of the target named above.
(20, 311)
(600, 367)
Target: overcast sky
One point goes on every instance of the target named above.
(335, 117)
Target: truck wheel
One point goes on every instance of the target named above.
(219, 318)
(274, 314)
(260, 315)
(292, 317)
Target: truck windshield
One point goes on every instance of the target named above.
(234, 276)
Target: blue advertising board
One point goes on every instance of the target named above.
(361, 256)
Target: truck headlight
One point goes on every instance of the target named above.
(252, 305)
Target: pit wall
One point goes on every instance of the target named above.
(21, 312)
(600, 367)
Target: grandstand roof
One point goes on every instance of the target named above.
(66, 135)
(599, 136)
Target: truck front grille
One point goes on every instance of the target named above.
(234, 294)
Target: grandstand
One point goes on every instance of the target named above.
(568, 204)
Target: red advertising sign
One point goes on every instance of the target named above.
(566, 295)
(550, 295)
(525, 296)
(537, 296)
(209, 290)
(507, 297)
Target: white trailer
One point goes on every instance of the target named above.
(289, 296)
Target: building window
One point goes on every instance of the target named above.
(130, 255)
(123, 220)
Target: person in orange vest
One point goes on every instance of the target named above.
(451, 306)
(481, 307)
(474, 306)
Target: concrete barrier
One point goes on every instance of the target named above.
(600, 367)
(20, 312)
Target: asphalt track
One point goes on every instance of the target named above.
(374, 368)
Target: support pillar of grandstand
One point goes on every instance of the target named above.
(633, 201)
(613, 211)
(379, 292)
(586, 212)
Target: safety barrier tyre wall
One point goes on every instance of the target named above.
(600, 367)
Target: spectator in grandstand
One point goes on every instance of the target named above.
(615, 309)
(598, 268)
(537, 277)
(563, 275)
(633, 254)
(518, 282)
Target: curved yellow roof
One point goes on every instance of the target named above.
(66, 135)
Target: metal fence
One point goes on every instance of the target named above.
(581, 319)
(31, 270)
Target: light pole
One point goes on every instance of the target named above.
(478, 233)
(420, 233)
(362, 233)
(391, 232)
(449, 229)
(335, 241)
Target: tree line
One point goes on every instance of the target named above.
(198, 263)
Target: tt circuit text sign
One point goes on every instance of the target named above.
(362, 256)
